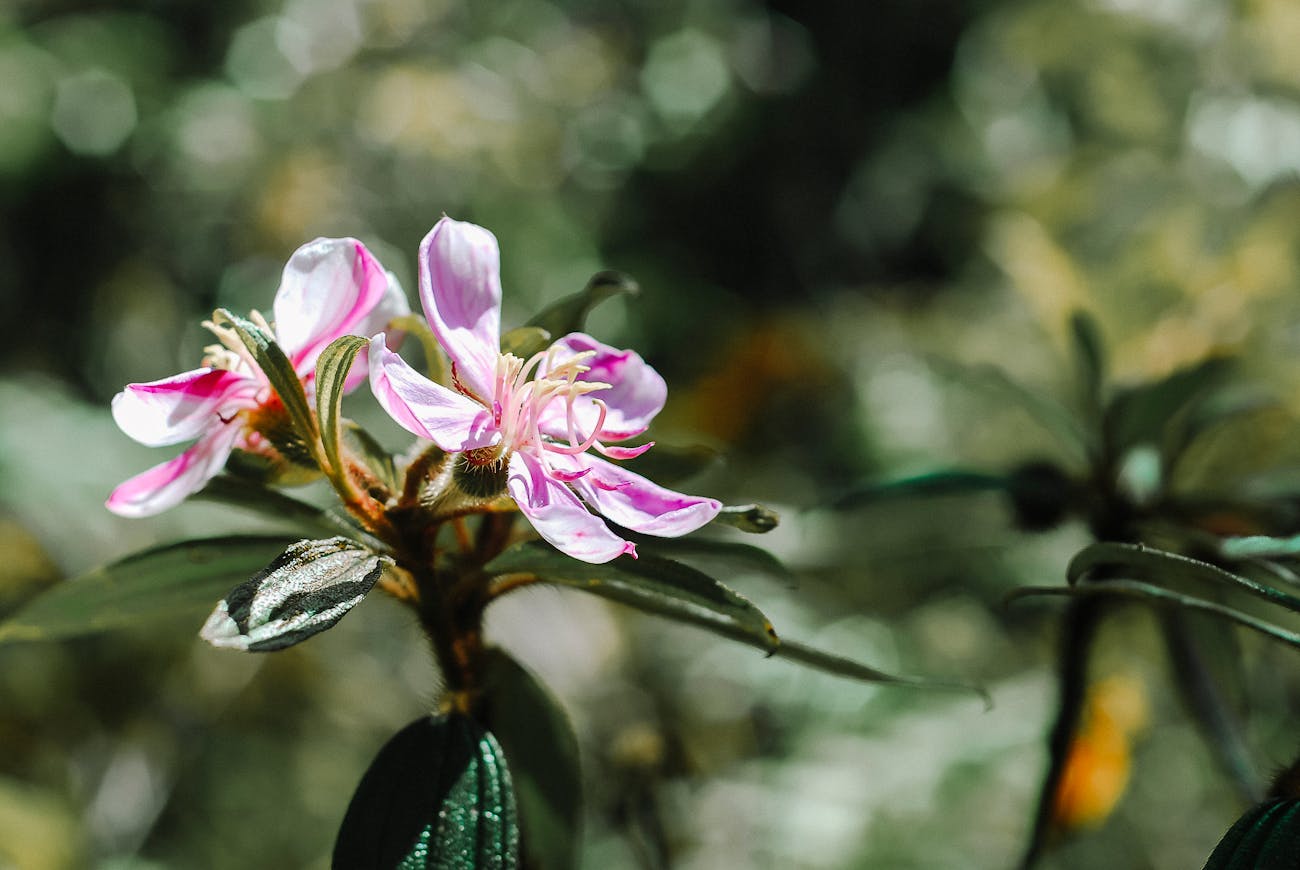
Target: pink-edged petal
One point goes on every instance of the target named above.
(424, 408)
(460, 287)
(636, 394)
(393, 304)
(636, 503)
(558, 515)
(181, 407)
(328, 288)
(167, 485)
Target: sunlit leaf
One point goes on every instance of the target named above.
(649, 583)
(305, 590)
(753, 518)
(542, 751)
(435, 364)
(176, 580)
(438, 796)
(570, 313)
(284, 380)
(332, 367)
(524, 341)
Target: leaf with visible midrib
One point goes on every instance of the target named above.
(438, 795)
(173, 580)
(649, 583)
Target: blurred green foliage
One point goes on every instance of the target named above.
(819, 206)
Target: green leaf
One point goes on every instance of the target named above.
(362, 445)
(332, 367)
(1090, 358)
(649, 583)
(542, 752)
(524, 341)
(179, 580)
(1049, 413)
(1154, 412)
(840, 666)
(305, 590)
(1161, 597)
(437, 797)
(753, 518)
(953, 481)
(724, 553)
(1264, 838)
(239, 492)
(570, 313)
(278, 370)
(1157, 565)
(435, 364)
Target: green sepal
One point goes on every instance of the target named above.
(656, 585)
(538, 740)
(271, 359)
(332, 367)
(438, 796)
(174, 580)
(570, 313)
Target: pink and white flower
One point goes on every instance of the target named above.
(540, 421)
(330, 288)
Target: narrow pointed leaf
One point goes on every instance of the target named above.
(944, 482)
(305, 590)
(1161, 597)
(753, 518)
(542, 752)
(524, 341)
(570, 313)
(1090, 359)
(332, 367)
(653, 584)
(1137, 560)
(437, 797)
(176, 580)
(366, 449)
(435, 364)
(279, 371)
(728, 554)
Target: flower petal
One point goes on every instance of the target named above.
(636, 394)
(328, 288)
(460, 287)
(429, 410)
(558, 515)
(168, 484)
(179, 408)
(636, 503)
(393, 304)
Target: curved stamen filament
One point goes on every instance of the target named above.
(575, 449)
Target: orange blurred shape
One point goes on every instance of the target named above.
(1097, 766)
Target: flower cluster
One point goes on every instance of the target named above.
(541, 430)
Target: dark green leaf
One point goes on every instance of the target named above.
(542, 751)
(332, 367)
(435, 364)
(945, 482)
(1267, 837)
(524, 341)
(570, 313)
(278, 370)
(1136, 560)
(367, 450)
(1143, 414)
(305, 590)
(728, 554)
(650, 583)
(437, 797)
(175, 580)
(1090, 357)
(1160, 597)
(238, 492)
(752, 518)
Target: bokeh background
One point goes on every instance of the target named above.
(825, 209)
